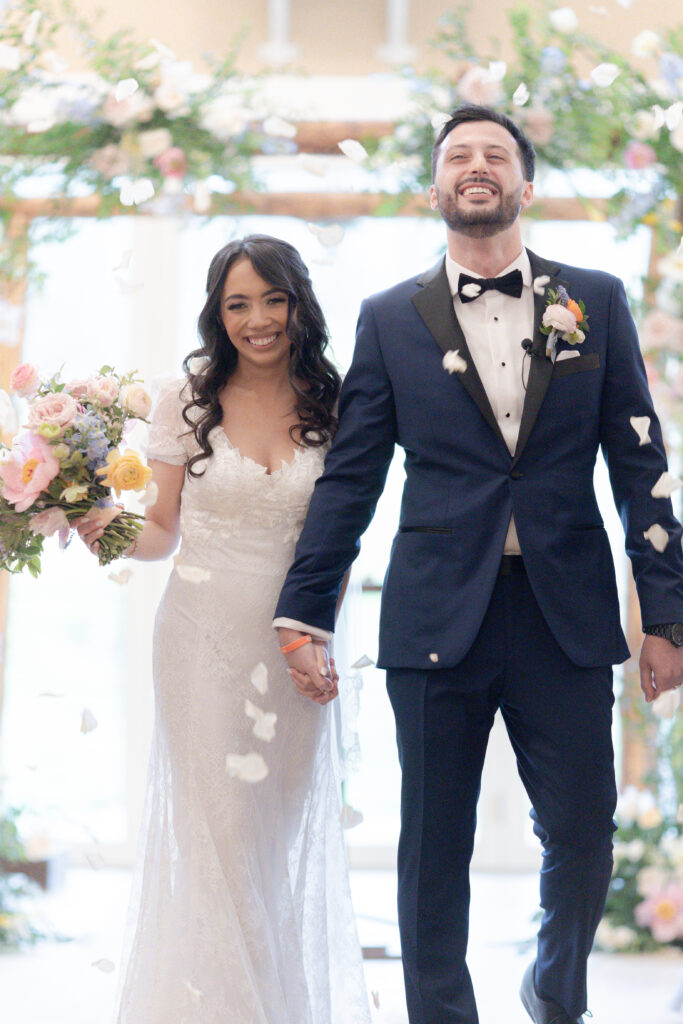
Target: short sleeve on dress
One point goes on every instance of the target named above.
(168, 433)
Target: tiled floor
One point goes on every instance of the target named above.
(56, 984)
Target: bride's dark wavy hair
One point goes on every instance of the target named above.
(313, 377)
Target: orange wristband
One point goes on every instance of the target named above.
(296, 644)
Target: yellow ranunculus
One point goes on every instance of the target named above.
(125, 472)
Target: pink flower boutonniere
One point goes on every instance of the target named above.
(561, 319)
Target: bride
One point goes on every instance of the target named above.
(243, 911)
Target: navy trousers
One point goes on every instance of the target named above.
(558, 718)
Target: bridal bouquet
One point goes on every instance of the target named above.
(65, 462)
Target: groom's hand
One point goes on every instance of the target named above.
(312, 670)
(661, 666)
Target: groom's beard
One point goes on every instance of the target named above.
(480, 223)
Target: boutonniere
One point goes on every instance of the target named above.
(561, 319)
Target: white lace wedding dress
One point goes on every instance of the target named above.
(242, 911)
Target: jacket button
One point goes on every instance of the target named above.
(516, 475)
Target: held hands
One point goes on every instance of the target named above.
(92, 525)
(311, 668)
(661, 667)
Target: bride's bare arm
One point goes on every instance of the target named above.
(159, 536)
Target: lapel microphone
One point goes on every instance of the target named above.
(527, 345)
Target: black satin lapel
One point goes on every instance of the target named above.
(434, 303)
(541, 369)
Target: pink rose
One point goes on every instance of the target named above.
(661, 330)
(172, 163)
(638, 155)
(24, 380)
(539, 125)
(560, 319)
(27, 471)
(104, 390)
(78, 388)
(56, 410)
(477, 86)
(49, 521)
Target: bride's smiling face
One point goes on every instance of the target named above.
(255, 314)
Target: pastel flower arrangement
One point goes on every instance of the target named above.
(561, 318)
(15, 927)
(66, 460)
(644, 908)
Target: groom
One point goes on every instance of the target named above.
(500, 593)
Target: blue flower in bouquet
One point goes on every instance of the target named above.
(671, 70)
(89, 436)
(553, 60)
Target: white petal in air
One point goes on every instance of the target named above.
(471, 290)
(363, 662)
(135, 192)
(150, 495)
(278, 126)
(657, 536)
(50, 693)
(604, 74)
(248, 767)
(259, 678)
(350, 817)
(328, 236)
(496, 70)
(88, 721)
(122, 577)
(264, 721)
(106, 966)
(191, 573)
(673, 115)
(312, 164)
(196, 997)
(354, 150)
(667, 704)
(540, 283)
(375, 999)
(434, 657)
(520, 95)
(641, 425)
(666, 485)
(454, 363)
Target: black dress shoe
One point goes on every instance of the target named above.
(542, 1011)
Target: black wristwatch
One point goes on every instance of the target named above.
(671, 631)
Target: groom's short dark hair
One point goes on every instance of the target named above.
(475, 112)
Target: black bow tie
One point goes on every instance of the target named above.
(509, 284)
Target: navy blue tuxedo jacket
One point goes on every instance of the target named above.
(462, 483)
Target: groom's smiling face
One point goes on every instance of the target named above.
(479, 186)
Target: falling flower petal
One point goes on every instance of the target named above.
(125, 88)
(124, 260)
(106, 966)
(471, 290)
(248, 767)
(122, 577)
(453, 362)
(150, 495)
(259, 678)
(88, 721)
(50, 693)
(191, 573)
(196, 997)
(363, 662)
(666, 485)
(604, 74)
(135, 192)
(278, 126)
(350, 817)
(434, 657)
(264, 721)
(312, 164)
(666, 704)
(540, 283)
(657, 536)
(328, 236)
(673, 115)
(564, 19)
(375, 999)
(520, 95)
(641, 425)
(354, 150)
(496, 70)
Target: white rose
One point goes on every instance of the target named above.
(154, 142)
(136, 400)
(224, 117)
(564, 20)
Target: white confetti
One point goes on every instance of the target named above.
(363, 662)
(604, 74)
(106, 966)
(312, 164)
(125, 88)
(328, 236)
(135, 192)
(88, 721)
(264, 721)
(666, 485)
(196, 996)
(471, 290)
(496, 70)
(350, 817)
(453, 362)
(354, 150)
(666, 704)
(122, 577)
(657, 536)
(434, 657)
(540, 283)
(520, 95)
(375, 999)
(641, 425)
(673, 115)
(259, 678)
(150, 494)
(247, 767)
(278, 126)
(191, 573)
